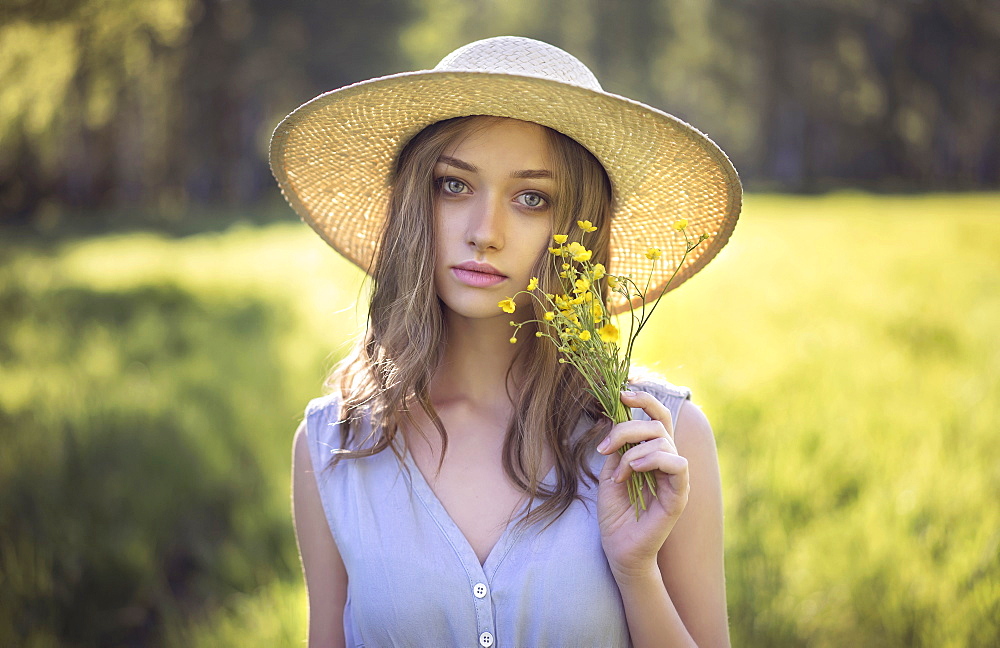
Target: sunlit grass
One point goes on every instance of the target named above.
(272, 616)
(844, 348)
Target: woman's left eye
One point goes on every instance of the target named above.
(532, 200)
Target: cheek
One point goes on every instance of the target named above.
(541, 240)
(537, 229)
(536, 251)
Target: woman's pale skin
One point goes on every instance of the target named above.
(493, 207)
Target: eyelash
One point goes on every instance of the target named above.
(543, 205)
(442, 182)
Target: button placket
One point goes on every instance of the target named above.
(480, 591)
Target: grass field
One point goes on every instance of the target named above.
(845, 348)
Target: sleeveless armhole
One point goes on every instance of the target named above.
(672, 396)
(323, 436)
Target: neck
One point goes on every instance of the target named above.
(473, 370)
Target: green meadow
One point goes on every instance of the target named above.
(846, 349)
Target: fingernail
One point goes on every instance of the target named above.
(627, 393)
(618, 472)
(604, 445)
(635, 463)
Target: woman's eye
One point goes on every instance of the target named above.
(532, 200)
(453, 185)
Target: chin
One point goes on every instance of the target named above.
(475, 311)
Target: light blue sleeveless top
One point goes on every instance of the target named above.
(414, 580)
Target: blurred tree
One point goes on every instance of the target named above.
(252, 61)
(86, 99)
(881, 94)
(164, 104)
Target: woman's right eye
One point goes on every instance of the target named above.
(453, 185)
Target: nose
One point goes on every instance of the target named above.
(486, 225)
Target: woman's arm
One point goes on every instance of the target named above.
(668, 566)
(691, 560)
(326, 578)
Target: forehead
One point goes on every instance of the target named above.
(500, 139)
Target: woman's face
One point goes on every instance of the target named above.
(493, 214)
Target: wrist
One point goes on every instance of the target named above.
(638, 576)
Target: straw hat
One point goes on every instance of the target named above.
(332, 156)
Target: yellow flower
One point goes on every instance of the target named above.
(556, 251)
(613, 282)
(582, 256)
(549, 316)
(576, 300)
(588, 296)
(586, 226)
(680, 224)
(582, 285)
(533, 283)
(513, 340)
(507, 305)
(562, 275)
(653, 254)
(596, 309)
(565, 266)
(539, 334)
(608, 333)
(560, 238)
(562, 302)
(584, 335)
(599, 271)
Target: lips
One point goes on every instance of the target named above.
(478, 275)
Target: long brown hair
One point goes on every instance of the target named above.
(389, 371)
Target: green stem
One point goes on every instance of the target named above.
(637, 480)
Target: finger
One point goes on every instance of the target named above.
(656, 410)
(632, 432)
(638, 461)
(673, 465)
(660, 444)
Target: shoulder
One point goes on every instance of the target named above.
(317, 431)
(301, 458)
(655, 384)
(693, 433)
(324, 406)
(672, 396)
(322, 420)
(692, 430)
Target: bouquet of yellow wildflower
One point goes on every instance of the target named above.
(577, 322)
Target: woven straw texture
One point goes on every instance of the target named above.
(332, 156)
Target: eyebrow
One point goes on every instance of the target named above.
(472, 168)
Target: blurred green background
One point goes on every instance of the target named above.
(164, 319)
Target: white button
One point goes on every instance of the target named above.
(479, 590)
(486, 640)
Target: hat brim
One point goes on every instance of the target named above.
(332, 158)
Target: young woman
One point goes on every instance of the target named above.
(455, 489)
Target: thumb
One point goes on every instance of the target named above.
(610, 463)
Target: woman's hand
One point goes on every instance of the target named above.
(631, 545)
